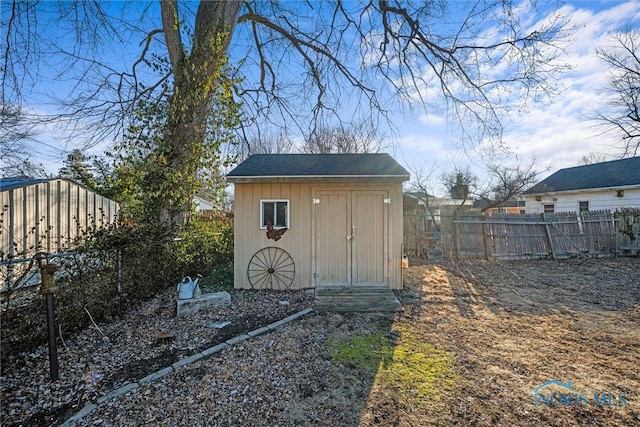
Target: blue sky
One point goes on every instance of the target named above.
(556, 134)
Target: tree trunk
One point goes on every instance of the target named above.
(196, 78)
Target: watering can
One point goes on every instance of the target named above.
(188, 288)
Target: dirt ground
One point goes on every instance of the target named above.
(476, 345)
(513, 326)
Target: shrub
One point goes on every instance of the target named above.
(206, 249)
(114, 268)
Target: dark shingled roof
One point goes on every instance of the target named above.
(378, 165)
(616, 173)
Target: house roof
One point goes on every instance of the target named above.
(418, 195)
(298, 167)
(616, 173)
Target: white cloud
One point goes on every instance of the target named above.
(559, 134)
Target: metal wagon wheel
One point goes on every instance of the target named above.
(271, 268)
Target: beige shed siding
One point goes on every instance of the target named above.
(298, 240)
(249, 238)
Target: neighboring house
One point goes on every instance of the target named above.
(204, 205)
(416, 202)
(342, 214)
(606, 185)
(48, 214)
(511, 206)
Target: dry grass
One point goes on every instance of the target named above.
(512, 326)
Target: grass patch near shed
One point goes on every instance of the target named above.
(418, 371)
(364, 352)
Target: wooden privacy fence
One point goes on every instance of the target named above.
(419, 234)
(558, 235)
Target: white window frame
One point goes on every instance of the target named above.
(544, 206)
(263, 226)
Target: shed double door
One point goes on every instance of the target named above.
(350, 237)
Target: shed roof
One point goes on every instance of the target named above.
(299, 167)
(615, 173)
(11, 183)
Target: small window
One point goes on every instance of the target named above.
(275, 212)
(549, 208)
(583, 206)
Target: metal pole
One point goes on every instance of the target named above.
(53, 347)
(48, 288)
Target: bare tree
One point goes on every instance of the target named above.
(297, 65)
(505, 183)
(16, 131)
(592, 158)
(268, 144)
(422, 187)
(623, 115)
(358, 138)
(460, 183)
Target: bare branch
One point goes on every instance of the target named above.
(622, 117)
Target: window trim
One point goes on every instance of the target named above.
(544, 205)
(583, 210)
(263, 226)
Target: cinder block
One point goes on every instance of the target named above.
(237, 339)
(258, 331)
(156, 375)
(188, 360)
(119, 392)
(215, 349)
(193, 305)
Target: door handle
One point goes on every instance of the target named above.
(353, 233)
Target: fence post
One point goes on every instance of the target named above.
(417, 238)
(484, 237)
(454, 234)
(547, 233)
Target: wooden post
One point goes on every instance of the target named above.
(454, 234)
(484, 238)
(547, 232)
(417, 237)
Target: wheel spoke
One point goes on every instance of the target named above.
(262, 260)
(280, 256)
(271, 267)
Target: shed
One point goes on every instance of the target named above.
(48, 214)
(342, 214)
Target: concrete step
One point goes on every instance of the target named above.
(355, 299)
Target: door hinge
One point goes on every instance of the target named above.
(387, 201)
(316, 201)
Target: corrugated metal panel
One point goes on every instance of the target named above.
(48, 215)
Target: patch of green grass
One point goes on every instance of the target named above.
(365, 352)
(417, 370)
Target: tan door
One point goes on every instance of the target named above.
(350, 237)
